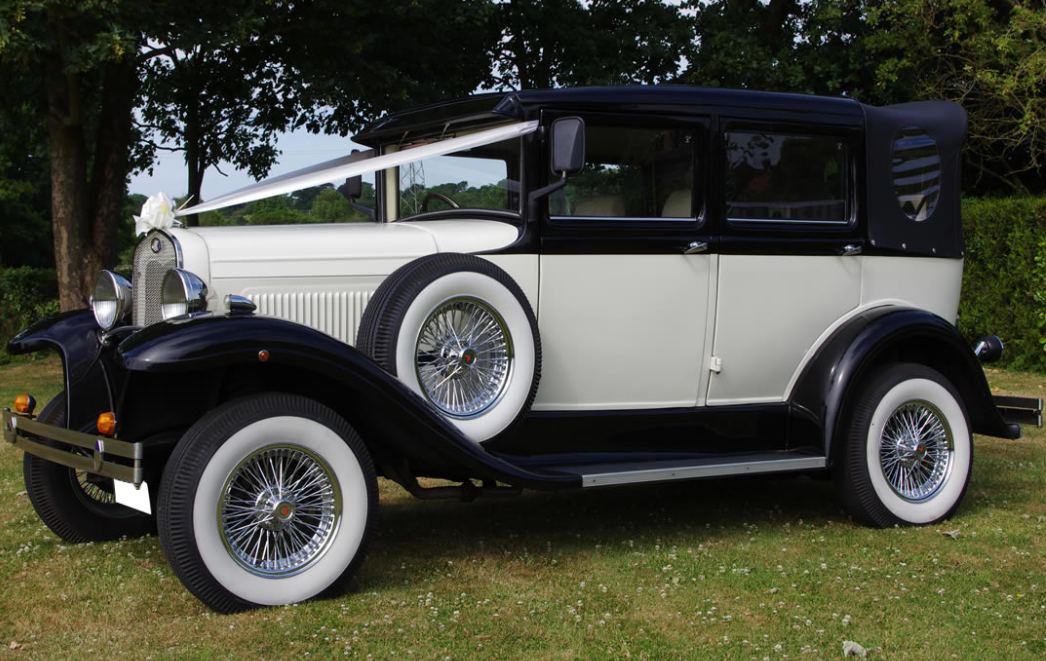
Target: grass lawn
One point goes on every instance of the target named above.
(731, 569)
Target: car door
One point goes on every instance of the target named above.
(627, 270)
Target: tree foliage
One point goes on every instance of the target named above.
(602, 42)
(988, 56)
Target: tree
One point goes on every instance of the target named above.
(74, 63)
(988, 56)
(326, 65)
(226, 75)
(602, 42)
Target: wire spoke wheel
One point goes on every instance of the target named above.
(94, 489)
(916, 449)
(279, 510)
(464, 357)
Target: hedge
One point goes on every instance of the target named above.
(27, 295)
(1004, 279)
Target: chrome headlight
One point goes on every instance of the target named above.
(111, 300)
(182, 293)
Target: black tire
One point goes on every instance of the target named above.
(397, 332)
(76, 507)
(888, 476)
(218, 503)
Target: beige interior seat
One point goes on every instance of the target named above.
(601, 206)
(678, 204)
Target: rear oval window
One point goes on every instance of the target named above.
(916, 170)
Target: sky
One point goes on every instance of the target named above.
(300, 149)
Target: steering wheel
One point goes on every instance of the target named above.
(438, 196)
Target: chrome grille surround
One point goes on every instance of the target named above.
(157, 253)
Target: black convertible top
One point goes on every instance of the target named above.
(889, 228)
(502, 106)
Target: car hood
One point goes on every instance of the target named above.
(344, 249)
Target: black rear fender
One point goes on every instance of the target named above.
(833, 380)
(180, 369)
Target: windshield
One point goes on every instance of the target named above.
(480, 169)
(484, 177)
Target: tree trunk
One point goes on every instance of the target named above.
(193, 162)
(69, 195)
(109, 180)
(85, 213)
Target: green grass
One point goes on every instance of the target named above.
(730, 569)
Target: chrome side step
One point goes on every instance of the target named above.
(598, 476)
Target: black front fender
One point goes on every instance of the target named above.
(882, 335)
(75, 335)
(385, 411)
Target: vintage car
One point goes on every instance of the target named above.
(558, 289)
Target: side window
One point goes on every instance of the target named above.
(631, 173)
(916, 172)
(787, 177)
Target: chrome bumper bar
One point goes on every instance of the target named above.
(1020, 410)
(22, 432)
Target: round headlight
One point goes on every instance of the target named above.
(111, 300)
(182, 293)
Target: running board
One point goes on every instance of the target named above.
(603, 475)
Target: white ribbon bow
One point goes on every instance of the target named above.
(157, 213)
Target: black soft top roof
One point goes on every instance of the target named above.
(501, 106)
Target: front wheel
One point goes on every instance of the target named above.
(908, 451)
(267, 500)
(77, 506)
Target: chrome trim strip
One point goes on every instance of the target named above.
(787, 221)
(616, 219)
(16, 427)
(692, 472)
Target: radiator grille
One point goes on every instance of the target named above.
(336, 313)
(156, 254)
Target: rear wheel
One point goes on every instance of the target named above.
(267, 500)
(908, 453)
(77, 506)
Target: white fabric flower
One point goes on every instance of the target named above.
(157, 213)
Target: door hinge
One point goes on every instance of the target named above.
(716, 364)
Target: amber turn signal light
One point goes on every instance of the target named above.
(25, 404)
(107, 423)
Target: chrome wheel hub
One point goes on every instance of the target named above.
(463, 357)
(916, 450)
(279, 510)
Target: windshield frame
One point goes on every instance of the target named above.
(390, 193)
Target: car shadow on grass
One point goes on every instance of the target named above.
(575, 522)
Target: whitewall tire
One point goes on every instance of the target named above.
(267, 500)
(908, 453)
(458, 331)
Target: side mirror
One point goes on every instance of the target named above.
(568, 145)
(353, 187)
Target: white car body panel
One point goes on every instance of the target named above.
(622, 331)
(323, 275)
(770, 310)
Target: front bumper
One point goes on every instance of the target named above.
(108, 457)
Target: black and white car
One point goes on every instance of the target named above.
(562, 289)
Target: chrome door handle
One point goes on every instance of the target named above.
(849, 250)
(695, 247)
